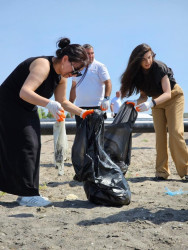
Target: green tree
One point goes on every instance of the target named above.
(49, 115)
(68, 115)
(42, 114)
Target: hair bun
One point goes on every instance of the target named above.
(63, 42)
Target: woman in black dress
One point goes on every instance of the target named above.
(153, 78)
(32, 83)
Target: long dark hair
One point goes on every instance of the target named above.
(128, 84)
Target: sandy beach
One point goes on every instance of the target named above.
(153, 220)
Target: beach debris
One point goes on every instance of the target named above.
(41, 210)
(173, 193)
(42, 186)
(71, 197)
(2, 193)
(60, 146)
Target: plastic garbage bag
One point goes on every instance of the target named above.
(104, 182)
(118, 136)
(60, 146)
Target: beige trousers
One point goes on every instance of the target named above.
(169, 115)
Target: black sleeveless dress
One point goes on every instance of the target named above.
(20, 141)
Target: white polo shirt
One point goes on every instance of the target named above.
(92, 89)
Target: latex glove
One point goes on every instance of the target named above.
(133, 102)
(105, 104)
(112, 114)
(144, 106)
(55, 109)
(84, 113)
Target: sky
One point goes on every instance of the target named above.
(113, 28)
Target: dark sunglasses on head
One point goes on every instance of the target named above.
(75, 72)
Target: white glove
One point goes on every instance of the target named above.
(133, 102)
(112, 114)
(144, 106)
(54, 108)
(105, 104)
(86, 112)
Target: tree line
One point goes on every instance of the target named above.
(44, 115)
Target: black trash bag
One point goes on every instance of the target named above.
(118, 137)
(83, 149)
(104, 182)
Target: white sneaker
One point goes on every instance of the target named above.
(44, 198)
(33, 201)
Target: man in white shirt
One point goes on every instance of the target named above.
(115, 104)
(95, 89)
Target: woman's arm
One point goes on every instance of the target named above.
(162, 98)
(72, 95)
(39, 70)
(60, 96)
(143, 98)
(165, 83)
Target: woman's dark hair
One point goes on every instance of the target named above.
(128, 84)
(75, 52)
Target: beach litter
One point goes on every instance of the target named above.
(173, 193)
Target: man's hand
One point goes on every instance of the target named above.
(145, 106)
(105, 104)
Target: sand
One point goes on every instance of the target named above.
(153, 220)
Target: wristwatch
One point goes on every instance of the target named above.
(107, 97)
